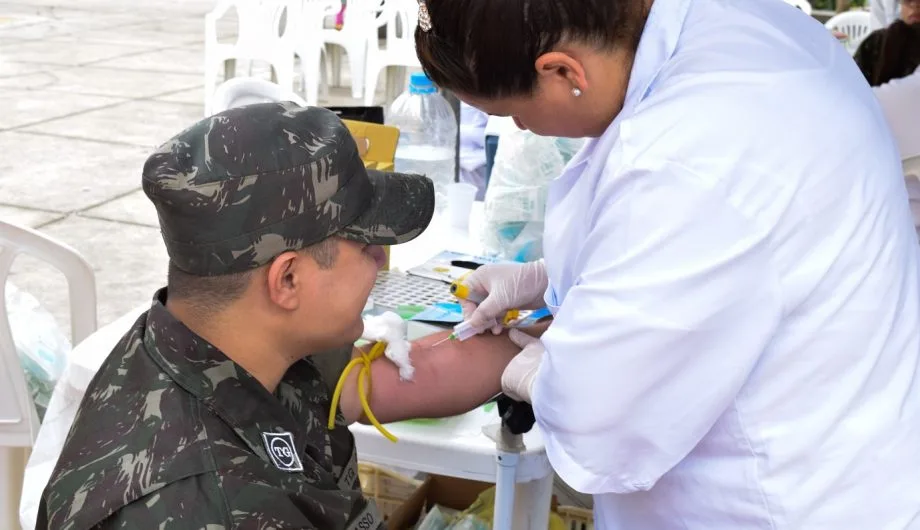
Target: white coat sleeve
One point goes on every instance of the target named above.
(674, 302)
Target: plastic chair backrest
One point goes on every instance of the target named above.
(363, 16)
(267, 32)
(401, 18)
(241, 91)
(18, 419)
(311, 15)
(261, 23)
(853, 24)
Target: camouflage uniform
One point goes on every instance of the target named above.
(172, 434)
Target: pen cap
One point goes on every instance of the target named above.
(465, 293)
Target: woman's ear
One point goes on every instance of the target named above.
(563, 67)
(285, 280)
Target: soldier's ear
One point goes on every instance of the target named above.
(285, 280)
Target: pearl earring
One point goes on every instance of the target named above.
(576, 92)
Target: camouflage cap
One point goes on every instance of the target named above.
(236, 189)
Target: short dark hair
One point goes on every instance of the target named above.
(211, 293)
(487, 48)
(898, 55)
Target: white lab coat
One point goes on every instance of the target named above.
(736, 299)
(900, 99)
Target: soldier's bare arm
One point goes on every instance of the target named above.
(450, 378)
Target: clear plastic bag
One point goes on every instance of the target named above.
(515, 201)
(441, 518)
(41, 346)
(438, 518)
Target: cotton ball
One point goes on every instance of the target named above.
(391, 329)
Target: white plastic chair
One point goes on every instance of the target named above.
(241, 91)
(853, 24)
(310, 45)
(802, 5)
(266, 33)
(359, 27)
(401, 19)
(18, 418)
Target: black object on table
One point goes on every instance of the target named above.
(517, 416)
(365, 114)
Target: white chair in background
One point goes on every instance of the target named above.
(359, 27)
(853, 24)
(401, 19)
(266, 32)
(310, 46)
(18, 420)
(241, 91)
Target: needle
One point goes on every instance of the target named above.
(442, 341)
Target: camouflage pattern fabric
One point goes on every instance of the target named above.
(172, 435)
(238, 188)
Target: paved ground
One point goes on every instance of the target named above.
(87, 89)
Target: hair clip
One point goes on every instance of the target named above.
(424, 20)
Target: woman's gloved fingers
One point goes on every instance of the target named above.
(468, 309)
(521, 339)
(520, 374)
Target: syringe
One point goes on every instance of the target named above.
(465, 330)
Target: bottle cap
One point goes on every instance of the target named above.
(420, 84)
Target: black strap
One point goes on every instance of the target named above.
(517, 416)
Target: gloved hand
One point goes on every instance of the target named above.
(520, 374)
(506, 286)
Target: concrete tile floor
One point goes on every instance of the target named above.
(87, 89)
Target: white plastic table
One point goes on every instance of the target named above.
(456, 447)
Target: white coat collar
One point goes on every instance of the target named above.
(658, 43)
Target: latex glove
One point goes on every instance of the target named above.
(506, 286)
(520, 374)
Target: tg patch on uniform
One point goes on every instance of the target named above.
(281, 449)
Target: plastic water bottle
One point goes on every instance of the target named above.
(427, 135)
